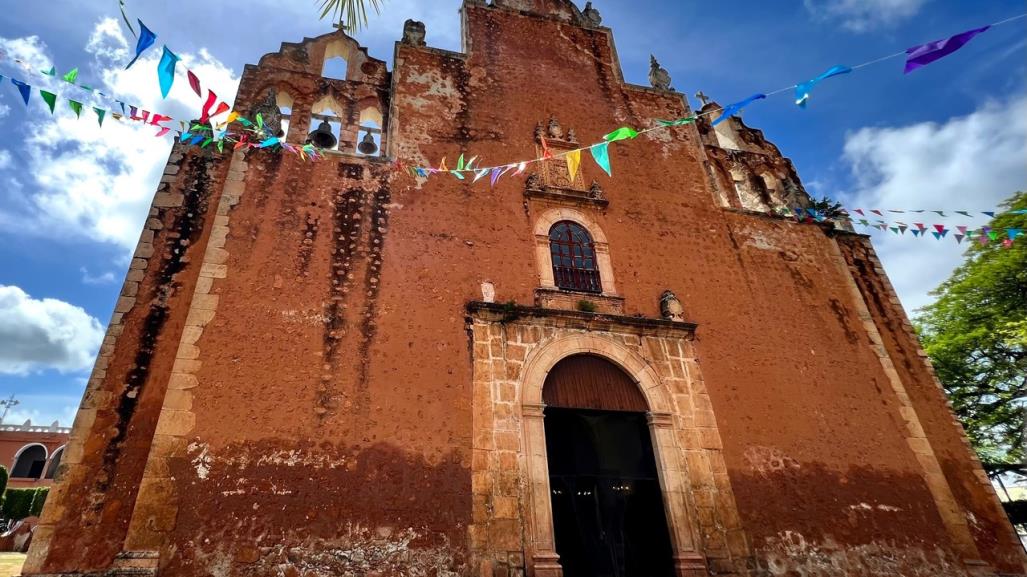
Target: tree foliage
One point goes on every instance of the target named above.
(350, 15)
(976, 335)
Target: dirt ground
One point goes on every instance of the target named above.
(10, 564)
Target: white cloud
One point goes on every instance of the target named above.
(43, 410)
(103, 278)
(864, 15)
(5, 159)
(45, 334)
(4, 110)
(971, 163)
(95, 182)
(30, 50)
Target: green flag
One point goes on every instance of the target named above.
(100, 113)
(71, 76)
(77, 107)
(460, 163)
(678, 122)
(623, 133)
(50, 99)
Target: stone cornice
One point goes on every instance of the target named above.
(496, 312)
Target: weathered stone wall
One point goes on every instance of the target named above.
(288, 386)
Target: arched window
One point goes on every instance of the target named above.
(574, 258)
(29, 462)
(55, 462)
(336, 62)
(285, 102)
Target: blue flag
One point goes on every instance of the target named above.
(146, 39)
(601, 154)
(166, 71)
(25, 90)
(802, 90)
(731, 109)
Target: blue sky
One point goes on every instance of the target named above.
(951, 136)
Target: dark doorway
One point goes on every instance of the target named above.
(608, 513)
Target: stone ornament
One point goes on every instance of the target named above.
(595, 192)
(593, 19)
(488, 292)
(413, 33)
(658, 76)
(670, 307)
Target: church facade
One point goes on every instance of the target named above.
(337, 368)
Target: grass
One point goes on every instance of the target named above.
(10, 564)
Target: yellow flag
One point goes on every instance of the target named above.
(573, 162)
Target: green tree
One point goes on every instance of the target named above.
(350, 15)
(3, 480)
(976, 335)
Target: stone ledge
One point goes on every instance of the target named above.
(497, 312)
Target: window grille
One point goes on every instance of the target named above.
(574, 258)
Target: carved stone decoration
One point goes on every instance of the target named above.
(533, 182)
(658, 76)
(270, 114)
(595, 192)
(488, 292)
(540, 132)
(554, 129)
(670, 307)
(571, 135)
(413, 33)
(593, 19)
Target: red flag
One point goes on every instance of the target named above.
(939, 227)
(164, 130)
(222, 108)
(546, 153)
(860, 211)
(211, 99)
(194, 83)
(158, 118)
(877, 212)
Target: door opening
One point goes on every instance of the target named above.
(608, 514)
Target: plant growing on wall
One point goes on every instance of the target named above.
(976, 336)
(349, 15)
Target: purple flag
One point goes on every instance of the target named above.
(924, 54)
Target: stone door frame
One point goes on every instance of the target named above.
(540, 539)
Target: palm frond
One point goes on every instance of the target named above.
(350, 15)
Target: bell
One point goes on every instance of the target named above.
(367, 145)
(323, 137)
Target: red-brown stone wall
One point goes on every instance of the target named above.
(319, 417)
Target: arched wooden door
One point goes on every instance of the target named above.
(608, 511)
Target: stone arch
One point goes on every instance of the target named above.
(544, 223)
(540, 538)
(544, 358)
(24, 459)
(54, 462)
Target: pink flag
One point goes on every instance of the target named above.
(194, 83)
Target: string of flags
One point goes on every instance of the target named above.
(983, 234)
(917, 57)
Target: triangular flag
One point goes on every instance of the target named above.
(478, 175)
(573, 162)
(902, 228)
(939, 227)
(678, 122)
(940, 213)
(194, 83)
(546, 153)
(894, 229)
(520, 168)
(51, 72)
(164, 130)
(100, 113)
(146, 39)
(25, 90)
(269, 142)
(496, 173)
(917, 232)
(937, 235)
(1013, 232)
(71, 76)
(920, 225)
(50, 98)
(961, 229)
(802, 90)
(959, 238)
(166, 71)
(859, 211)
(964, 213)
(864, 222)
(457, 174)
(460, 163)
(623, 133)
(442, 165)
(991, 214)
(205, 114)
(731, 109)
(877, 212)
(993, 234)
(924, 54)
(1008, 243)
(601, 154)
(76, 107)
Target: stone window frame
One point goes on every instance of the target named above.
(540, 537)
(545, 222)
(57, 454)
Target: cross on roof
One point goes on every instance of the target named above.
(702, 98)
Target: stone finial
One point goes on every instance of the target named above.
(595, 192)
(571, 135)
(658, 76)
(670, 307)
(533, 182)
(413, 33)
(488, 292)
(270, 113)
(554, 129)
(593, 19)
